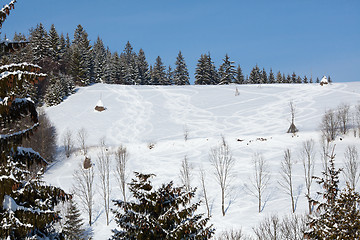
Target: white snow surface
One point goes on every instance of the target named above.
(137, 116)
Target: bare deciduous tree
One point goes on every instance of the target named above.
(233, 235)
(351, 166)
(203, 187)
(186, 133)
(269, 228)
(84, 189)
(43, 140)
(82, 136)
(357, 118)
(329, 125)
(68, 143)
(294, 226)
(223, 162)
(307, 154)
(325, 151)
(286, 173)
(260, 179)
(121, 157)
(292, 129)
(186, 174)
(343, 116)
(103, 166)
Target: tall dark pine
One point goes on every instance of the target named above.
(143, 68)
(129, 61)
(164, 213)
(54, 43)
(26, 203)
(293, 78)
(255, 75)
(158, 73)
(239, 76)
(73, 227)
(99, 56)
(40, 45)
(264, 77)
(279, 78)
(227, 71)
(336, 217)
(181, 73)
(81, 60)
(271, 77)
(205, 73)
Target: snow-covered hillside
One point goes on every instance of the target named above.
(136, 116)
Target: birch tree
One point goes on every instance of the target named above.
(223, 162)
(103, 166)
(286, 173)
(351, 166)
(121, 158)
(260, 179)
(308, 160)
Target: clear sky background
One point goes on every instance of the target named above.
(318, 37)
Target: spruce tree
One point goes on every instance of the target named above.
(54, 43)
(158, 73)
(73, 227)
(99, 56)
(181, 73)
(239, 76)
(227, 71)
(81, 59)
(205, 73)
(26, 203)
(271, 77)
(279, 78)
(264, 77)
(164, 213)
(255, 75)
(293, 78)
(129, 61)
(40, 44)
(143, 68)
(305, 79)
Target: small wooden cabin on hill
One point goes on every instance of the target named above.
(324, 81)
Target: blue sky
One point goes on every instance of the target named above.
(315, 37)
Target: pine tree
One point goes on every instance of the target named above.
(99, 57)
(227, 71)
(143, 68)
(169, 76)
(54, 43)
(329, 79)
(81, 57)
(298, 79)
(255, 75)
(165, 213)
(181, 73)
(239, 76)
(305, 79)
(206, 73)
(293, 78)
(336, 217)
(279, 78)
(129, 61)
(39, 44)
(26, 203)
(73, 227)
(158, 73)
(271, 77)
(264, 77)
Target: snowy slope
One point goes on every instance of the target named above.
(139, 115)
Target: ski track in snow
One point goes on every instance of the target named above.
(139, 115)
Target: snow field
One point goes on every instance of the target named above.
(139, 115)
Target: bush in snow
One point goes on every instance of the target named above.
(165, 213)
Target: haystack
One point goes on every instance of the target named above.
(100, 106)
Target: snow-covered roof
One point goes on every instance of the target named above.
(324, 80)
